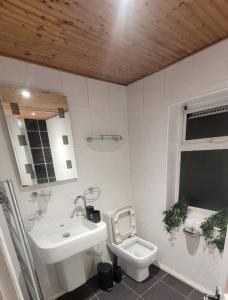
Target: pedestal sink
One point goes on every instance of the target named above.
(62, 243)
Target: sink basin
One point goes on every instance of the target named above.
(62, 239)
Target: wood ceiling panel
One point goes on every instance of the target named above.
(113, 40)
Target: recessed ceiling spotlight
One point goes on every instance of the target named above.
(25, 94)
(33, 114)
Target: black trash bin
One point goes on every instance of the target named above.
(117, 274)
(105, 276)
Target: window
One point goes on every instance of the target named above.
(203, 177)
(206, 124)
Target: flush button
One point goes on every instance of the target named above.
(66, 234)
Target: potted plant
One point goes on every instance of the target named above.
(175, 216)
(214, 229)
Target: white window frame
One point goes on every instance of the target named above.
(204, 143)
(197, 144)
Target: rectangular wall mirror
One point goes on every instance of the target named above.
(41, 136)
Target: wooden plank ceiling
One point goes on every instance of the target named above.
(113, 40)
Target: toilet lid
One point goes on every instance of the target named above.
(123, 224)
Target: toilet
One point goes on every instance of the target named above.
(134, 254)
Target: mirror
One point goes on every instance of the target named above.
(41, 136)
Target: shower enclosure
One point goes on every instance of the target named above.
(13, 220)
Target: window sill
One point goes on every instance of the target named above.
(197, 215)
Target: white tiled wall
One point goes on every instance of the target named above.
(99, 107)
(148, 116)
(95, 107)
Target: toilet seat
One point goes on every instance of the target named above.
(119, 236)
(135, 250)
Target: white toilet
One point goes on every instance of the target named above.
(135, 255)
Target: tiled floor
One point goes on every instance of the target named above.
(159, 286)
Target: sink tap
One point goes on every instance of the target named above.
(79, 210)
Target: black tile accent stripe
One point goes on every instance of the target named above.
(40, 149)
(42, 125)
(37, 155)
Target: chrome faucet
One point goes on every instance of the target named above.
(217, 295)
(79, 210)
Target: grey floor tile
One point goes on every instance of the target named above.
(161, 291)
(82, 293)
(180, 286)
(120, 292)
(155, 271)
(140, 287)
(94, 285)
(196, 295)
(159, 286)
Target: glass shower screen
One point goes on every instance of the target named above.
(17, 232)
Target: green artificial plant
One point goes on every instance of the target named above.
(175, 216)
(214, 228)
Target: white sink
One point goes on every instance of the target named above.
(63, 239)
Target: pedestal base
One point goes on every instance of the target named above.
(71, 272)
(138, 274)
